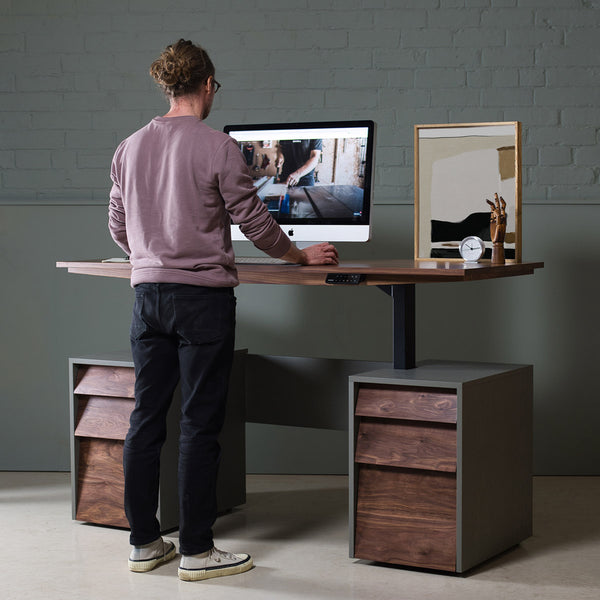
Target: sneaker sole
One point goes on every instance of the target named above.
(200, 574)
(143, 566)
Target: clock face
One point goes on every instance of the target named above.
(472, 248)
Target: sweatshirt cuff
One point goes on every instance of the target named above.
(279, 248)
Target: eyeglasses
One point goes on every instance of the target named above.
(216, 85)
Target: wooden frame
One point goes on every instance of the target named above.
(457, 167)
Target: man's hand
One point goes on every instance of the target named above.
(293, 179)
(313, 160)
(317, 254)
(321, 254)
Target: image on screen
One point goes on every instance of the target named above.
(313, 173)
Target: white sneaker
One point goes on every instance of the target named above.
(145, 558)
(214, 563)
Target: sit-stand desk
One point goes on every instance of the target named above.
(440, 453)
(396, 277)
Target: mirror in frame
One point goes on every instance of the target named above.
(457, 168)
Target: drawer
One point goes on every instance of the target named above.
(416, 445)
(404, 402)
(103, 417)
(100, 380)
(100, 482)
(406, 517)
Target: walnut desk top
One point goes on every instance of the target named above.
(375, 272)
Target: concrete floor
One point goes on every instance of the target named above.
(296, 529)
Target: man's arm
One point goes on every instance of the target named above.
(254, 219)
(307, 167)
(116, 219)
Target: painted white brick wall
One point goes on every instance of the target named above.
(73, 81)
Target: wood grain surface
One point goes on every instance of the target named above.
(415, 445)
(103, 417)
(414, 403)
(100, 486)
(101, 380)
(406, 517)
(377, 272)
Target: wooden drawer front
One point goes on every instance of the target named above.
(102, 417)
(407, 444)
(100, 482)
(403, 402)
(95, 380)
(406, 517)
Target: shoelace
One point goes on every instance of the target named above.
(218, 555)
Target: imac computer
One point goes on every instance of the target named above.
(315, 178)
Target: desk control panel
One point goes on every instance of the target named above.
(344, 278)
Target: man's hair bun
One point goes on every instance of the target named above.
(182, 68)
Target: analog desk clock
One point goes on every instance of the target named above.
(472, 248)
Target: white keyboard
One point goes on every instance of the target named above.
(260, 260)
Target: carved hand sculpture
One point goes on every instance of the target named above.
(497, 228)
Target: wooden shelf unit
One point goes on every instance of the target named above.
(440, 463)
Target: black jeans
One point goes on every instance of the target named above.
(179, 333)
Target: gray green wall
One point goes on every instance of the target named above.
(73, 83)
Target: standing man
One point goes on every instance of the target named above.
(177, 184)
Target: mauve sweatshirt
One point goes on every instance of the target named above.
(177, 185)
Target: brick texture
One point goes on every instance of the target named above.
(74, 81)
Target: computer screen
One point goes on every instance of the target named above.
(315, 178)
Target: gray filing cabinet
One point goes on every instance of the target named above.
(101, 400)
(440, 463)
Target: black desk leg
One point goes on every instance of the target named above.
(403, 297)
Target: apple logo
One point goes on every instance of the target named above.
(290, 232)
